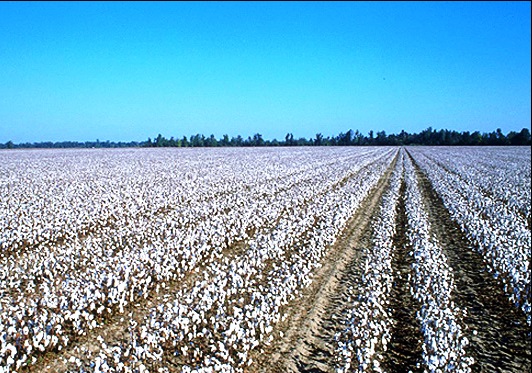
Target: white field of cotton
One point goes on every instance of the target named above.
(214, 323)
(221, 241)
(85, 233)
(487, 192)
(366, 334)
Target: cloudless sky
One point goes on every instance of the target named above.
(128, 71)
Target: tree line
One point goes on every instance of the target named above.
(428, 136)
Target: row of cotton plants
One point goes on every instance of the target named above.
(366, 333)
(57, 291)
(499, 234)
(230, 310)
(444, 347)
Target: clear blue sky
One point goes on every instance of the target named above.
(128, 71)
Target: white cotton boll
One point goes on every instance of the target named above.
(97, 364)
(10, 349)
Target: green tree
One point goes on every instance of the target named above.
(257, 140)
(237, 141)
(381, 138)
(225, 141)
(211, 141)
(521, 138)
(318, 140)
(159, 141)
(289, 139)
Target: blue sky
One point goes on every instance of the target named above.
(128, 71)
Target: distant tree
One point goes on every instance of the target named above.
(328, 141)
(211, 141)
(358, 138)
(197, 140)
(426, 137)
(381, 138)
(465, 138)
(371, 138)
(349, 138)
(392, 140)
(344, 139)
(318, 140)
(257, 140)
(237, 141)
(476, 138)
(402, 137)
(302, 141)
(289, 139)
(159, 141)
(521, 138)
(224, 141)
(501, 139)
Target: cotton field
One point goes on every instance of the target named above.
(243, 259)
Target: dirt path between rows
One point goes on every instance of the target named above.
(306, 342)
(500, 340)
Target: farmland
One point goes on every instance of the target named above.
(266, 259)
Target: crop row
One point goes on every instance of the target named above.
(62, 195)
(501, 174)
(364, 340)
(444, 347)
